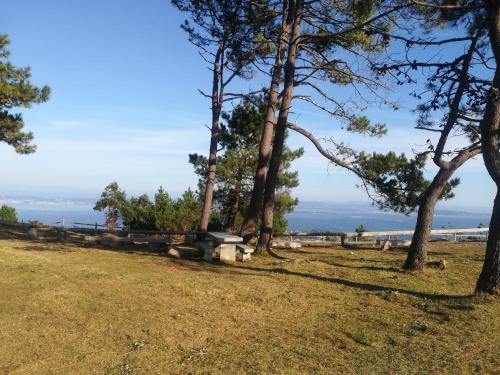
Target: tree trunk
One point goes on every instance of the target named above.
(233, 209)
(111, 221)
(214, 135)
(279, 136)
(417, 254)
(489, 279)
(249, 227)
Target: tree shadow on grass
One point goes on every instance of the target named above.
(297, 251)
(362, 286)
(223, 268)
(47, 245)
(309, 252)
(396, 262)
(132, 249)
(395, 250)
(451, 254)
(339, 250)
(275, 255)
(199, 265)
(370, 268)
(41, 247)
(354, 246)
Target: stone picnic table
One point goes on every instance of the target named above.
(227, 248)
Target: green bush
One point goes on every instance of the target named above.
(8, 213)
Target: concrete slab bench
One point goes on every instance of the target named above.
(244, 252)
(245, 248)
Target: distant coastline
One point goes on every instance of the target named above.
(324, 216)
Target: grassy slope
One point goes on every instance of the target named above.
(65, 309)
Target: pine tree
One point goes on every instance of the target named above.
(228, 35)
(240, 138)
(453, 90)
(250, 224)
(164, 210)
(111, 203)
(327, 43)
(187, 211)
(138, 213)
(16, 91)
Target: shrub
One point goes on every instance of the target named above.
(8, 213)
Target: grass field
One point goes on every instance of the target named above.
(71, 310)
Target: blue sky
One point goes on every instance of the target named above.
(125, 107)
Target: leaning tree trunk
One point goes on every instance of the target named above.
(489, 279)
(249, 227)
(214, 135)
(417, 255)
(279, 136)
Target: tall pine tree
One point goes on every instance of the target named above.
(240, 137)
(328, 43)
(226, 34)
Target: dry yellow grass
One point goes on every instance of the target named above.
(71, 310)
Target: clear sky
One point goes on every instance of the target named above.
(125, 107)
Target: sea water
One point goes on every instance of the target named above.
(340, 217)
(307, 216)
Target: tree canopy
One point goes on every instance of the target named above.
(240, 137)
(16, 91)
(8, 213)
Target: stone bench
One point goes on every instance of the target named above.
(244, 252)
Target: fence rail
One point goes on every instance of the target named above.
(344, 236)
(384, 233)
(461, 232)
(410, 232)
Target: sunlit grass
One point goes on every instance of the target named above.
(66, 309)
